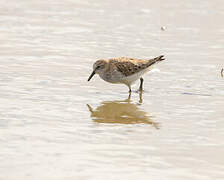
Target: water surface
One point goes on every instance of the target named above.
(56, 125)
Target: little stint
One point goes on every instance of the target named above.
(124, 70)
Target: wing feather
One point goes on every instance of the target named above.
(130, 66)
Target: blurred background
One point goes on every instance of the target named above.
(56, 125)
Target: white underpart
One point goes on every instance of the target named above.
(132, 78)
(118, 78)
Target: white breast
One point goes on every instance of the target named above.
(132, 78)
(112, 77)
(117, 77)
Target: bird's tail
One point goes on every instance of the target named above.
(155, 60)
(159, 58)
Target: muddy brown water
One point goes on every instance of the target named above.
(56, 125)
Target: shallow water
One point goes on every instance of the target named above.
(56, 125)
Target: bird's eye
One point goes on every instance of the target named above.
(97, 67)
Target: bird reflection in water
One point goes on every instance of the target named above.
(123, 112)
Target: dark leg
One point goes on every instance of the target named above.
(141, 84)
(129, 96)
(129, 89)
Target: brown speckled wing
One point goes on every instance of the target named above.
(129, 66)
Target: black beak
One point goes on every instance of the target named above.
(91, 75)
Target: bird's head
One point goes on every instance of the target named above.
(98, 67)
